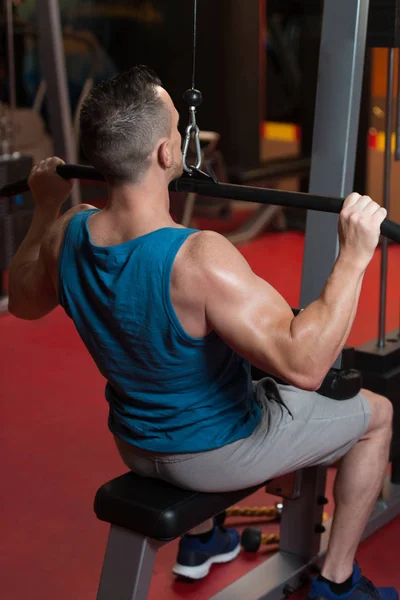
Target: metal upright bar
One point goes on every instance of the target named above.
(128, 566)
(386, 194)
(302, 515)
(340, 73)
(12, 94)
(52, 58)
(397, 146)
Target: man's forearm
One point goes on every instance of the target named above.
(321, 330)
(29, 250)
(30, 246)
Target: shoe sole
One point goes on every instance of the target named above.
(204, 569)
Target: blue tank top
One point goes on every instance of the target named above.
(167, 391)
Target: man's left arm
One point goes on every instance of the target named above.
(30, 288)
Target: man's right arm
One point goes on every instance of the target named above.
(256, 321)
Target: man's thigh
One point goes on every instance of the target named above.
(317, 430)
(298, 429)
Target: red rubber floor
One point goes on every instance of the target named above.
(56, 451)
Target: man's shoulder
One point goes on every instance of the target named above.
(213, 252)
(208, 261)
(55, 235)
(195, 258)
(69, 214)
(205, 245)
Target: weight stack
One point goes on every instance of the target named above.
(15, 213)
(380, 368)
(384, 24)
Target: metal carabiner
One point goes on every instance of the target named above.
(192, 128)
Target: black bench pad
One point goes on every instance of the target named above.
(157, 509)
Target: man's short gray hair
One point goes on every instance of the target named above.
(121, 121)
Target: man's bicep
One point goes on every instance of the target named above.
(247, 312)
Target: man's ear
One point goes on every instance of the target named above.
(164, 154)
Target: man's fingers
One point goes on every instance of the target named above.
(371, 208)
(361, 203)
(52, 160)
(358, 204)
(58, 161)
(351, 200)
(42, 165)
(49, 164)
(380, 215)
(33, 171)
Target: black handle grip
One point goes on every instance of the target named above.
(15, 188)
(79, 172)
(341, 385)
(391, 230)
(65, 171)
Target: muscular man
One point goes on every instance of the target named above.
(173, 317)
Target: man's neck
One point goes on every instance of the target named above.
(146, 202)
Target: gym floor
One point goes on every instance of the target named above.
(57, 450)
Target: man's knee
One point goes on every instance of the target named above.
(381, 411)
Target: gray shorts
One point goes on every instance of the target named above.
(298, 429)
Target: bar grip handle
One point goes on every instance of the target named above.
(66, 171)
(389, 229)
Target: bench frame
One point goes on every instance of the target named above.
(285, 572)
(128, 565)
(130, 557)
